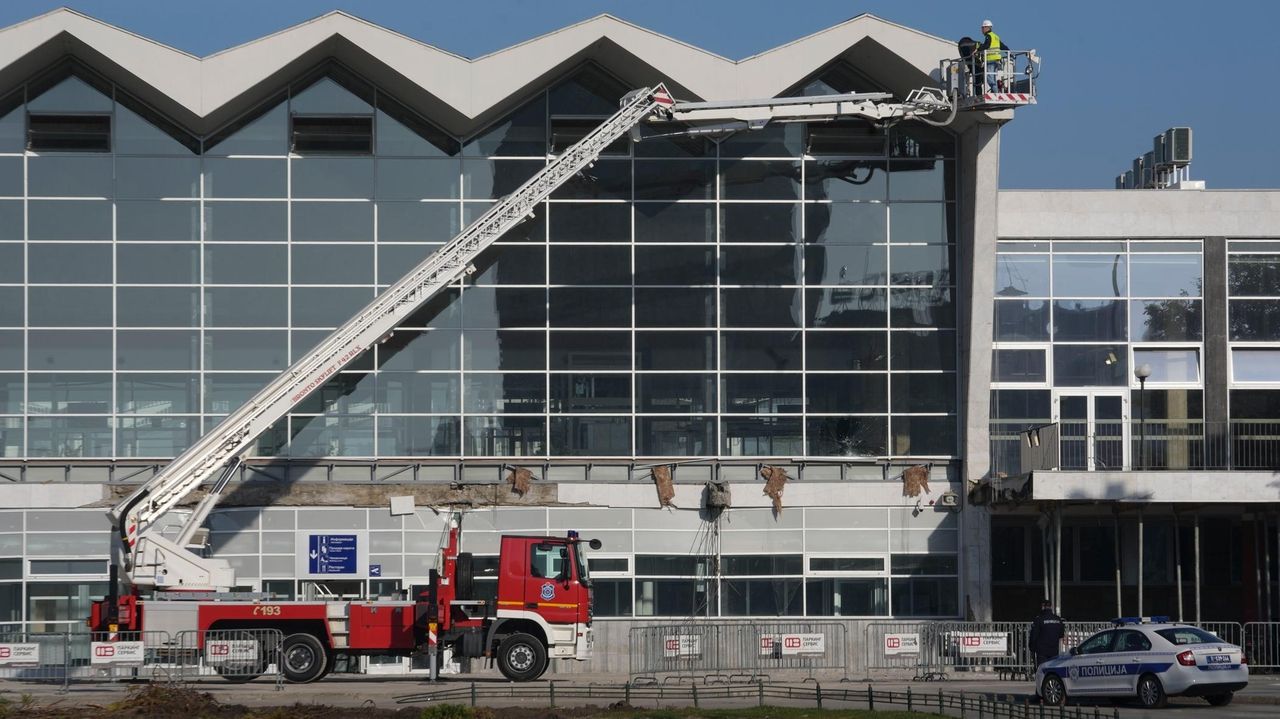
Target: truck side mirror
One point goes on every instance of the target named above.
(595, 544)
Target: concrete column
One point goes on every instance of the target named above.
(1215, 361)
(978, 173)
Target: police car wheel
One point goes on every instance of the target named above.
(1220, 700)
(1053, 691)
(1151, 693)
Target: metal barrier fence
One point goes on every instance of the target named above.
(932, 650)
(738, 651)
(67, 657)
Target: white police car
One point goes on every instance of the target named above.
(1147, 659)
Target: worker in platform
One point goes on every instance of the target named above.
(991, 49)
(1046, 634)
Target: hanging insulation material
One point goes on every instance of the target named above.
(775, 480)
(519, 478)
(666, 487)
(915, 480)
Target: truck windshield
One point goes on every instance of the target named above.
(581, 561)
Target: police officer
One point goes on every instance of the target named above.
(990, 50)
(1046, 634)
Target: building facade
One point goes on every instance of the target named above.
(175, 231)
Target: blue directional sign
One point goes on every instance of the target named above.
(375, 570)
(332, 554)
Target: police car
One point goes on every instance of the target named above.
(1149, 659)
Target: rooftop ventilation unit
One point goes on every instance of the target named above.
(1177, 143)
(1157, 151)
(1120, 182)
(1128, 179)
(1138, 168)
(1148, 170)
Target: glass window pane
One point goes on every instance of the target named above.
(1089, 320)
(11, 349)
(761, 436)
(157, 393)
(672, 222)
(606, 180)
(505, 350)
(508, 393)
(12, 222)
(157, 264)
(846, 350)
(332, 264)
(759, 265)
(68, 306)
(1019, 366)
(845, 264)
(675, 307)
(69, 393)
(420, 350)
(847, 224)
(330, 437)
(224, 393)
(762, 393)
(590, 222)
(400, 132)
(784, 140)
(589, 393)
(675, 179)
(1022, 320)
(675, 350)
(590, 350)
(921, 222)
(760, 180)
(333, 177)
(858, 393)
(757, 597)
(266, 134)
(404, 179)
(11, 177)
(69, 176)
(68, 437)
(160, 437)
(491, 179)
(760, 307)
(923, 436)
(344, 393)
(923, 392)
(1089, 275)
(675, 266)
(1255, 365)
(68, 349)
(504, 307)
(326, 96)
(921, 180)
(928, 265)
(11, 394)
(332, 222)
(1166, 320)
(246, 222)
(1022, 275)
(590, 436)
(245, 177)
(418, 436)
(69, 264)
(156, 221)
(1254, 320)
(245, 349)
(504, 436)
(1090, 365)
(327, 306)
(1253, 275)
(843, 597)
(246, 264)
(12, 306)
(157, 177)
(137, 136)
(68, 220)
(675, 393)
(523, 132)
(246, 307)
(772, 351)
(1161, 275)
(421, 222)
(675, 436)
(846, 180)
(587, 265)
(157, 350)
(759, 222)
(589, 307)
(1179, 365)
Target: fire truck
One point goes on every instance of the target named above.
(543, 607)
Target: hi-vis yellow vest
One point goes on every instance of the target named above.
(993, 50)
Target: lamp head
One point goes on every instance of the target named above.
(1142, 371)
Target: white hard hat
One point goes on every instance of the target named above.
(986, 23)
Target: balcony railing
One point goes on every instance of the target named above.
(1154, 445)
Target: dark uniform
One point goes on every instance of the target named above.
(1046, 635)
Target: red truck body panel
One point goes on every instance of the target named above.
(381, 625)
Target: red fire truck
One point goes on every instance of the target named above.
(543, 607)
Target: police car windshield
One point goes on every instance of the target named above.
(1188, 635)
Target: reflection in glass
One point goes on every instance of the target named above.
(847, 597)
(68, 393)
(925, 179)
(241, 306)
(846, 180)
(419, 222)
(675, 222)
(504, 307)
(572, 393)
(922, 308)
(417, 436)
(1170, 365)
(760, 307)
(675, 266)
(509, 393)
(589, 307)
(68, 349)
(920, 265)
(675, 436)
(590, 350)
(245, 350)
(504, 350)
(491, 179)
(1254, 364)
(69, 437)
(504, 436)
(762, 393)
(1166, 320)
(591, 436)
(1254, 320)
(411, 350)
(588, 265)
(1090, 365)
(1022, 275)
(224, 393)
(160, 437)
(675, 393)
(1253, 275)
(762, 436)
(760, 180)
(332, 222)
(157, 350)
(675, 350)
(759, 222)
(256, 264)
(157, 393)
(1022, 320)
(523, 132)
(921, 222)
(675, 179)
(327, 306)
(1090, 275)
(847, 224)
(919, 392)
(675, 307)
(923, 435)
(771, 351)
(1165, 275)
(846, 350)
(593, 222)
(1009, 365)
(1089, 320)
(759, 265)
(64, 307)
(916, 350)
(330, 436)
(856, 393)
(331, 264)
(605, 180)
(246, 222)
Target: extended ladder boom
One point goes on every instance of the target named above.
(154, 560)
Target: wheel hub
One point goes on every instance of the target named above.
(299, 658)
(521, 657)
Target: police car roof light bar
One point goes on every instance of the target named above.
(1158, 619)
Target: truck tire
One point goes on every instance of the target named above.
(464, 577)
(303, 658)
(522, 658)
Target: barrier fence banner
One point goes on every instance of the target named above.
(23, 654)
(787, 644)
(902, 644)
(738, 649)
(682, 645)
(223, 652)
(983, 644)
(117, 653)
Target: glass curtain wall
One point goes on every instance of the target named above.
(787, 292)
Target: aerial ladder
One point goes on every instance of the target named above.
(151, 560)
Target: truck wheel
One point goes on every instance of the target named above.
(521, 658)
(303, 658)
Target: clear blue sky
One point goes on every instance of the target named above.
(1115, 73)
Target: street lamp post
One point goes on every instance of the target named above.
(1142, 372)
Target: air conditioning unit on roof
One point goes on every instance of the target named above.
(1177, 143)
(1157, 150)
